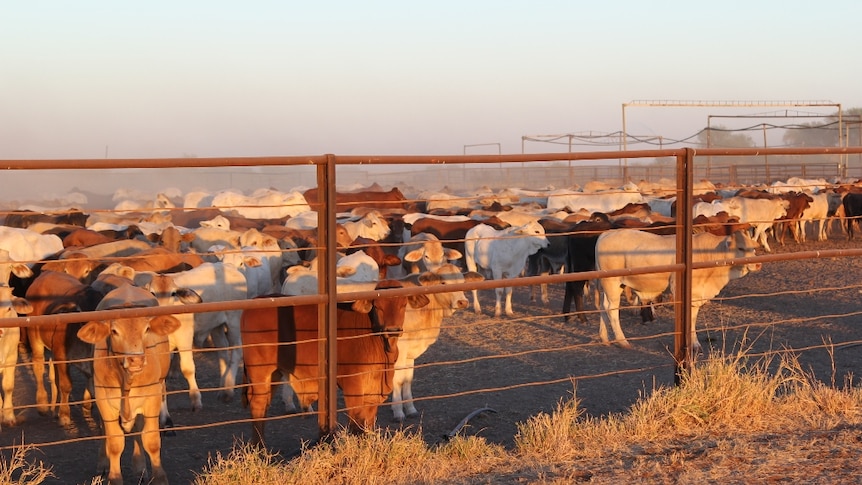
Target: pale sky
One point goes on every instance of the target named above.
(267, 78)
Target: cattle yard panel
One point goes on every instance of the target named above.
(455, 167)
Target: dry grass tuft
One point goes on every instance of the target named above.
(372, 458)
(15, 469)
(731, 419)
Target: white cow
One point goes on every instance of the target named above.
(629, 248)
(209, 282)
(263, 204)
(608, 201)
(421, 329)
(28, 246)
(502, 253)
(355, 272)
(372, 225)
(10, 307)
(424, 252)
(161, 201)
(816, 214)
(760, 213)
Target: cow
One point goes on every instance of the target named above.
(9, 267)
(425, 252)
(550, 259)
(451, 232)
(54, 292)
(26, 218)
(208, 282)
(376, 252)
(378, 199)
(627, 248)
(852, 205)
(581, 257)
(10, 307)
(262, 204)
(608, 201)
(131, 361)
(798, 204)
(367, 349)
(503, 254)
(422, 327)
(371, 226)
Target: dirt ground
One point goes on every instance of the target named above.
(517, 366)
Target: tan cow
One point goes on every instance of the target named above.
(131, 361)
(10, 307)
(629, 248)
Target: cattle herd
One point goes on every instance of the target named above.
(230, 246)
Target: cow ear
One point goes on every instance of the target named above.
(391, 260)
(164, 324)
(361, 306)
(414, 255)
(452, 254)
(251, 262)
(21, 305)
(473, 276)
(345, 271)
(418, 301)
(94, 332)
(21, 270)
(188, 295)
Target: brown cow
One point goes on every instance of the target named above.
(131, 361)
(452, 233)
(55, 292)
(345, 201)
(365, 356)
(375, 250)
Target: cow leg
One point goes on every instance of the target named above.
(152, 444)
(37, 363)
(182, 340)
(8, 384)
(401, 390)
(471, 266)
(288, 397)
(115, 441)
(64, 389)
(574, 291)
(234, 346)
(407, 392)
(610, 315)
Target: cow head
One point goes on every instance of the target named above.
(450, 274)
(11, 306)
(741, 245)
(128, 338)
(387, 314)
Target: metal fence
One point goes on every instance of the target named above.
(458, 171)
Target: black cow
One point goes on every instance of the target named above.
(852, 211)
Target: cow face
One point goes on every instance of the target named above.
(128, 338)
(12, 306)
(743, 246)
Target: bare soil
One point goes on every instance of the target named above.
(523, 366)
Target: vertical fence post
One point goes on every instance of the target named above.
(682, 286)
(327, 328)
